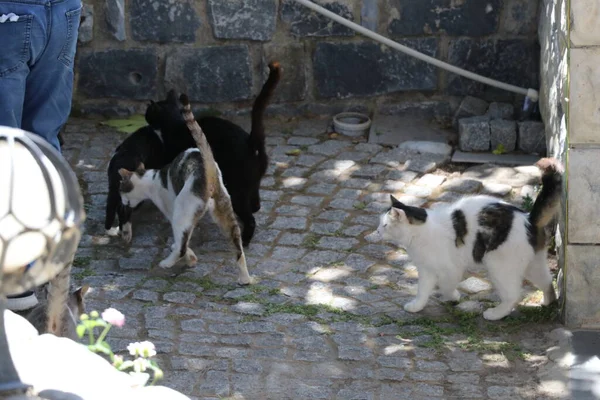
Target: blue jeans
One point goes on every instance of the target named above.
(37, 52)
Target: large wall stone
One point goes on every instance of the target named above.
(365, 69)
(243, 19)
(513, 61)
(292, 57)
(125, 74)
(211, 74)
(305, 22)
(456, 18)
(585, 100)
(582, 308)
(163, 21)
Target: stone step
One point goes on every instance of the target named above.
(504, 159)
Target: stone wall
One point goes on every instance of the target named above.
(553, 105)
(582, 255)
(132, 51)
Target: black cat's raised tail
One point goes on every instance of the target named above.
(257, 134)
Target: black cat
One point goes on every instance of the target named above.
(148, 145)
(241, 157)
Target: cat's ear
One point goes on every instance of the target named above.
(397, 214)
(126, 175)
(141, 169)
(394, 200)
(81, 292)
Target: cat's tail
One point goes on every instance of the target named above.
(257, 134)
(547, 202)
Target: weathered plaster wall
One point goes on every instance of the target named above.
(570, 81)
(134, 50)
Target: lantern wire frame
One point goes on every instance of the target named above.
(60, 244)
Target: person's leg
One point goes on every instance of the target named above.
(49, 87)
(23, 32)
(19, 24)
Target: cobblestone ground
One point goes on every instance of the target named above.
(325, 318)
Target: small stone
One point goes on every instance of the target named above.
(391, 374)
(471, 306)
(503, 134)
(431, 181)
(502, 392)
(474, 134)
(460, 361)
(237, 293)
(431, 366)
(501, 111)
(496, 189)
(474, 285)
(194, 325)
(114, 11)
(418, 191)
(145, 295)
(307, 200)
(289, 223)
(328, 148)
(470, 107)
(465, 377)
(462, 185)
(532, 137)
(403, 176)
(86, 27)
(249, 308)
(425, 163)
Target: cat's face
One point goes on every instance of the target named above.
(77, 301)
(162, 114)
(393, 226)
(396, 225)
(131, 188)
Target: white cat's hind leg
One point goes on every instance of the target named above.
(506, 275)
(427, 281)
(186, 211)
(539, 275)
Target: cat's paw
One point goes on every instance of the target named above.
(190, 258)
(127, 233)
(413, 306)
(114, 231)
(166, 263)
(495, 313)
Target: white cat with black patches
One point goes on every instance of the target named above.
(183, 191)
(478, 230)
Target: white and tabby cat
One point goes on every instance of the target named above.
(478, 230)
(40, 315)
(184, 190)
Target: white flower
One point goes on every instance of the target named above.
(142, 349)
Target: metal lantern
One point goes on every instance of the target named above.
(41, 213)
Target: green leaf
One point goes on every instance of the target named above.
(127, 125)
(499, 149)
(294, 152)
(80, 330)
